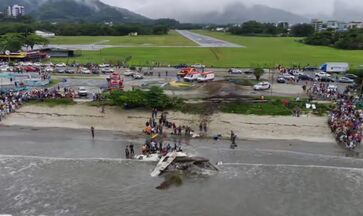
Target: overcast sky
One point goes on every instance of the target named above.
(166, 8)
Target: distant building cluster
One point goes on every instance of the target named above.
(15, 11)
(338, 26)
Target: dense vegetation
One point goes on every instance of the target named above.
(257, 28)
(154, 98)
(351, 40)
(88, 29)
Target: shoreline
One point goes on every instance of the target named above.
(131, 122)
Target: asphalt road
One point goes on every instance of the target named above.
(206, 41)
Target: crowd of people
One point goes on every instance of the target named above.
(10, 101)
(323, 91)
(345, 121)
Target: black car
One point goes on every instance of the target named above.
(179, 66)
(305, 77)
(326, 79)
(281, 80)
(310, 68)
(351, 76)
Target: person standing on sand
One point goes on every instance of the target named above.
(127, 152)
(201, 127)
(132, 152)
(93, 132)
(205, 127)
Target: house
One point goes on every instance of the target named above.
(45, 34)
(133, 34)
(355, 25)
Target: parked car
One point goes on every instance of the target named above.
(305, 77)
(288, 76)
(137, 76)
(345, 80)
(60, 70)
(180, 66)
(325, 79)
(234, 71)
(95, 71)
(107, 70)
(351, 76)
(296, 73)
(104, 65)
(31, 69)
(262, 86)
(49, 69)
(310, 68)
(198, 66)
(70, 71)
(281, 79)
(82, 92)
(129, 73)
(61, 65)
(85, 71)
(322, 74)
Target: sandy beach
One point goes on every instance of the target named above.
(81, 116)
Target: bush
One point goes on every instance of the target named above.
(154, 98)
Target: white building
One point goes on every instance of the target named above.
(355, 25)
(16, 10)
(45, 34)
(317, 24)
(332, 24)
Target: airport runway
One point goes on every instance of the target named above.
(206, 41)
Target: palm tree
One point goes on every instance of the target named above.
(258, 72)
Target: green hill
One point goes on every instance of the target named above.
(75, 10)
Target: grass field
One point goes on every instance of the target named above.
(259, 51)
(172, 39)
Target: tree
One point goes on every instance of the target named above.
(258, 72)
(33, 39)
(11, 41)
(302, 30)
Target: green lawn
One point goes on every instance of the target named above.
(259, 51)
(172, 39)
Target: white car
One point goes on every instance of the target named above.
(5, 68)
(322, 74)
(26, 64)
(234, 71)
(61, 65)
(107, 70)
(104, 65)
(137, 76)
(198, 66)
(50, 64)
(37, 64)
(262, 86)
(297, 73)
(82, 92)
(49, 69)
(288, 76)
(129, 73)
(85, 71)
